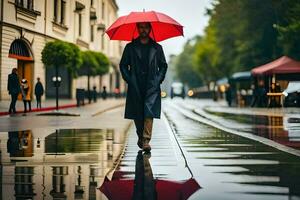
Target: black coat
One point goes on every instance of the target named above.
(39, 89)
(138, 106)
(13, 84)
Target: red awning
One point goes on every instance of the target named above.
(283, 65)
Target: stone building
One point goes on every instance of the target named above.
(27, 25)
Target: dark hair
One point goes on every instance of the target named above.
(14, 70)
(148, 23)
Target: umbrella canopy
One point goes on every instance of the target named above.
(165, 189)
(163, 26)
(293, 86)
(282, 65)
(241, 76)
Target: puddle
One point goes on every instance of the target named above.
(62, 164)
(283, 130)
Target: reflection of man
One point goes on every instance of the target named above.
(144, 184)
(143, 66)
(13, 87)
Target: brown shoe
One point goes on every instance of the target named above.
(140, 143)
(146, 146)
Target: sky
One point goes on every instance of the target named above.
(189, 13)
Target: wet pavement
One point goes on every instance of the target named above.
(66, 164)
(92, 157)
(229, 166)
(162, 174)
(282, 128)
(49, 157)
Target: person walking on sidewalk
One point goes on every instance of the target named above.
(13, 87)
(38, 91)
(26, 94)
(143, 66)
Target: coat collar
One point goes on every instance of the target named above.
(152, 49)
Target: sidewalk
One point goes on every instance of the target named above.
(46, 104)
(166, 159)
(165, 165)
(222, 107)
(49, 105)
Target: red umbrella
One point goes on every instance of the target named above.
(163, 26)
(165, 189)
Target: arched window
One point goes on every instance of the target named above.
(19, 50)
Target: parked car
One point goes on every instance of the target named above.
(177, 89)
(292, 94)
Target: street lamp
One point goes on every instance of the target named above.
(56, 82)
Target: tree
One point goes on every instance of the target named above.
(60, 54)
(94, 63)
(184, 65)
(289, 31)
(244, 34)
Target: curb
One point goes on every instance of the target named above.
(42, 109)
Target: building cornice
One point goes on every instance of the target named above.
(114, 3)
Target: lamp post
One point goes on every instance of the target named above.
(56, 82)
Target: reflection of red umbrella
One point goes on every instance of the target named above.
(123, 189)
(163, 26)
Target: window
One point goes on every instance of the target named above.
(92, 33)
(28, 4)
(103, 10)
(59, 11)
(92, 2)
(55, 6)
(79, 24)
(62, 12)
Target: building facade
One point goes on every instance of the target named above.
(27, 25)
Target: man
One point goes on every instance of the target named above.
(38, 91)
(13, 87)
(143, 66)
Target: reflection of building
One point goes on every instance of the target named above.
(58, 173)
(26, 26)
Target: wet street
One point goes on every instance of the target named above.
(197, 153)
(229, 166)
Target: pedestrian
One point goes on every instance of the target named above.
(143, 66)
(26, 94)
(94, 93)
(228, 95)
(13, 87)
(38, 91)
(104, 93)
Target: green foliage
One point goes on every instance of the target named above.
(102, 62)
(89, 64)
(289, 33)
(62, 54)
(94, 63)
(243, 34)
(65, 54)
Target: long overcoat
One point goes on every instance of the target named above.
(149, 105)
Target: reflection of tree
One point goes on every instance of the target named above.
(74, 140)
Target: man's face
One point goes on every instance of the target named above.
(143, 29)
